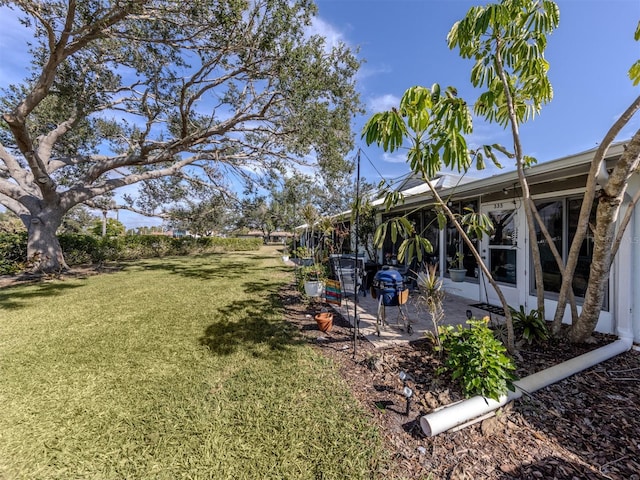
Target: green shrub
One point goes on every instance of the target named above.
(79, 249)
(530, 326)
(82, 249)
(301, 252)
(477, 360)
(13, 252)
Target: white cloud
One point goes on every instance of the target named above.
(326, 30)
(366, 71)
(398, 157)
(383, 103)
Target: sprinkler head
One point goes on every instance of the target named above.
(407, 392)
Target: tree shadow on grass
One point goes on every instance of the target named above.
(209, 267)
(13, 298)
(249, 325)
(202, 271)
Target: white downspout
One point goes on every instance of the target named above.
(456, 414)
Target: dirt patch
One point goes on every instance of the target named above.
(584, 427)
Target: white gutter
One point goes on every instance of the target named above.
(456, 414)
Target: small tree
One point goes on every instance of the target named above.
(110, 228)
(367, 227)
(209, 213)
(432, 297)
(77, 220)
(507, 41)
(434, 125)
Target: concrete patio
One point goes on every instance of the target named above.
(455, 312)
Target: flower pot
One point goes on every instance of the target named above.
(324, 321)
(457, 274)
(313, 288)
(285, 258)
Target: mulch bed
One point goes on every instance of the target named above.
(584, 427)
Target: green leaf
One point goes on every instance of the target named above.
(381, 233)
(402, 250)
(529, 161)
(503, 150)
(442, 220)
(634, 73)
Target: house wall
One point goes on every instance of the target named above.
(622, 316)
(635, 281)
(561, 179)
(630, 257)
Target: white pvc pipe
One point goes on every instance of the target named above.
(451, 416)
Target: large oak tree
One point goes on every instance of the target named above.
(167, 95)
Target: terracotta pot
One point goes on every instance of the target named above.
(324, 321)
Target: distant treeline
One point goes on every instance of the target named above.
(88, 249)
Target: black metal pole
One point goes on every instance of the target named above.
(357, 276)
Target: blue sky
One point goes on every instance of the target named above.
(403, 43)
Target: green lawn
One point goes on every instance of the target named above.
(173, 368)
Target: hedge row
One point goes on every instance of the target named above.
(83, 249)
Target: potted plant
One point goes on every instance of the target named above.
(311, 279)
(457, 272)
(285, 254)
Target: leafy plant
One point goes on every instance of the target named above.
(457, 261)
(477, 360)
(310, 273)
(530, 325)
(432, 295)
(302, 252)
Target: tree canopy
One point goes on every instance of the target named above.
(170, 96)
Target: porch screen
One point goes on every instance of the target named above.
(561, 219)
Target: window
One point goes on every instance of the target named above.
(430, 231)
(455, 243)
(502, 246)
(561, 219)
(552, 214)
(426, 225)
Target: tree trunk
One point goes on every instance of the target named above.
(599, 272)
(511, 344)
(624, 168)
(534, 248)
(44, 252)
(606, 216)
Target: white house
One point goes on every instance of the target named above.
(557, 187)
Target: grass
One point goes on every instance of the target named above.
(171, 368)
